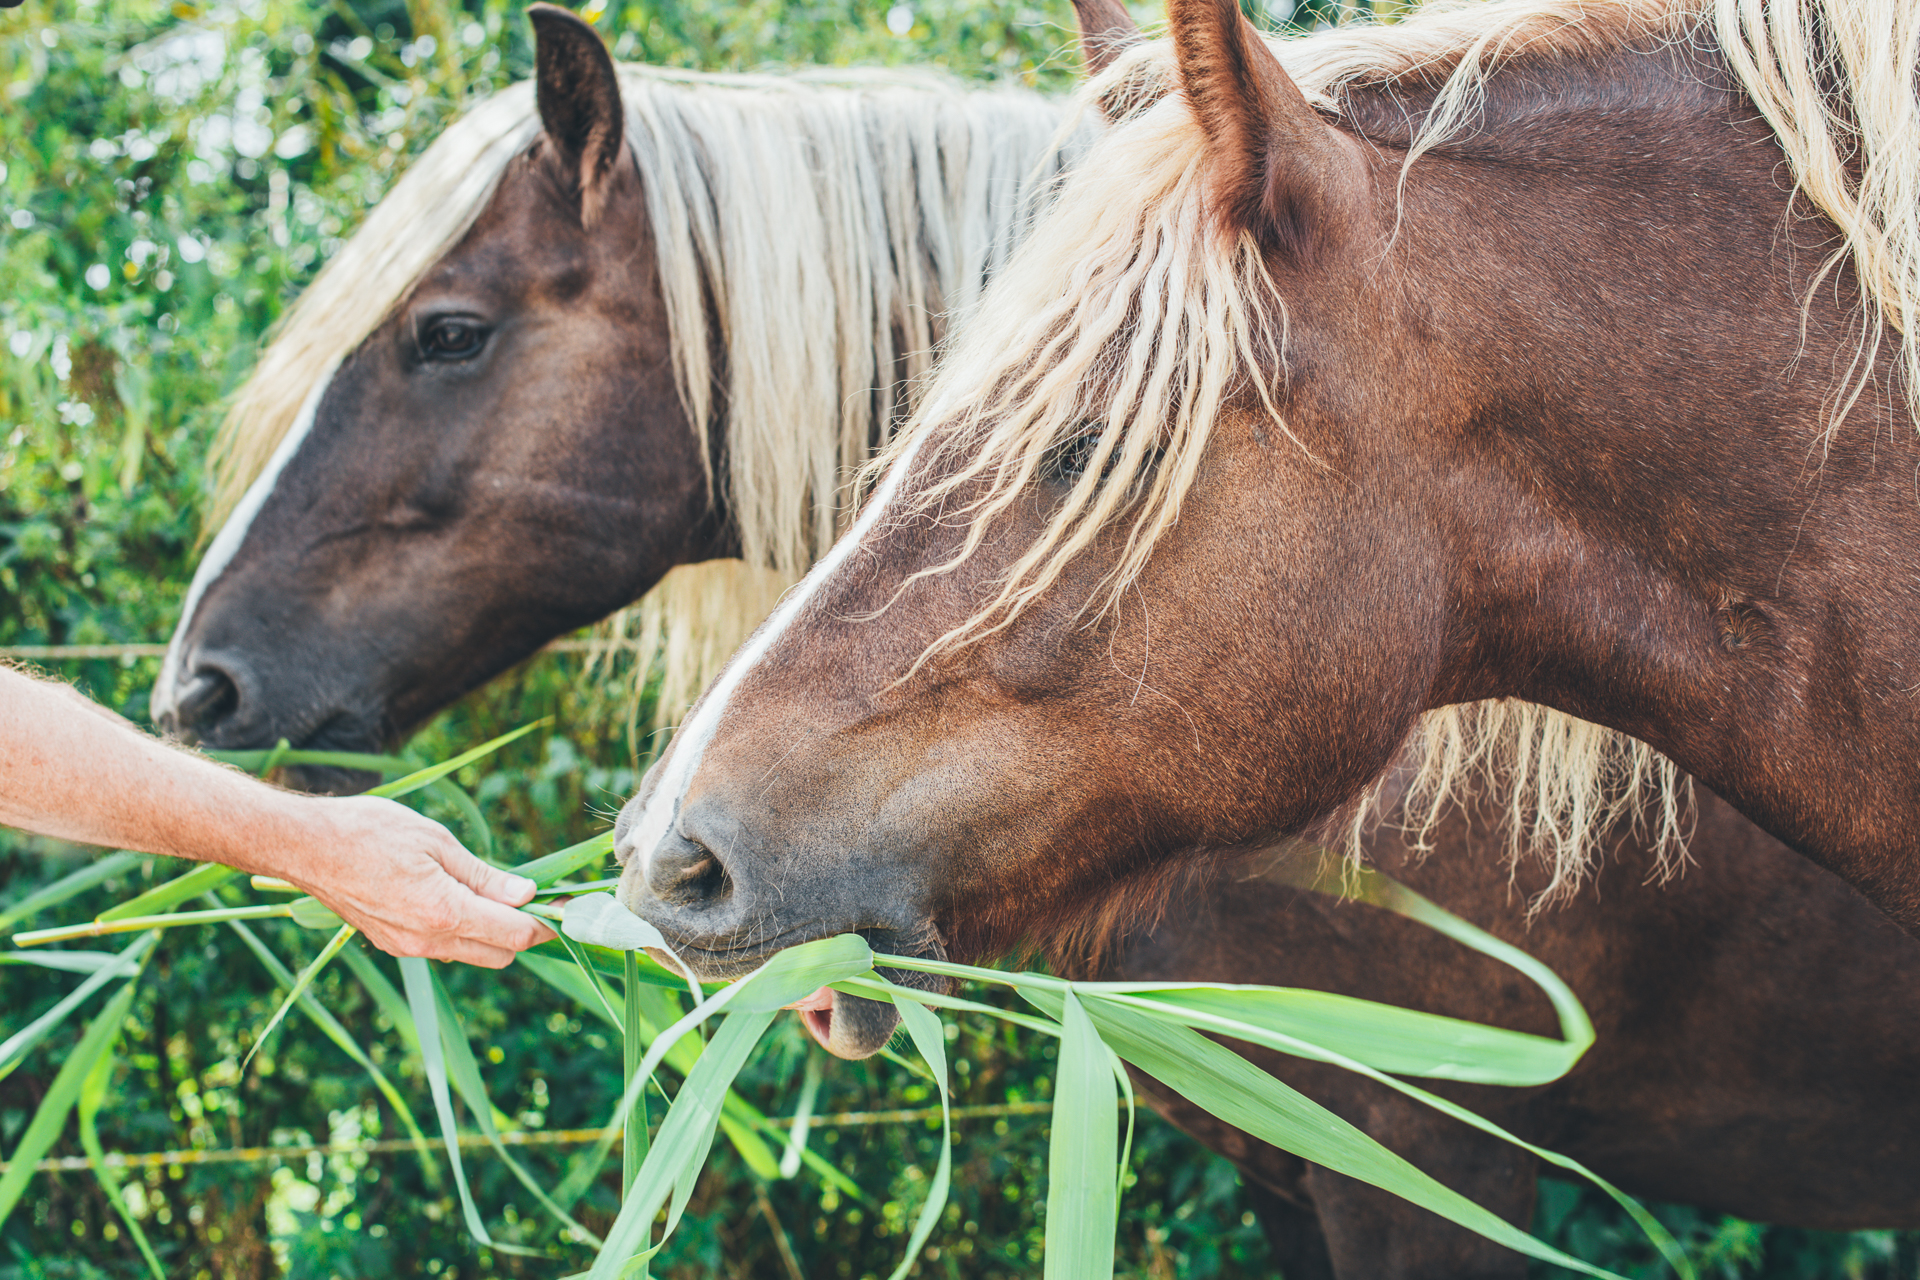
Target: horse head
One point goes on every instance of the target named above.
(465, 484)
(1457, 398)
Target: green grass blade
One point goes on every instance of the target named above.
(633, 1047)
(1403, 1041)
(684, 1139)
(433, 773)
(69, 886)
(311, 913)
(64, 961)
(802, 1117)
(20, 1043)
(1083, 1209)
(334, 1031)
(132, 924)
(1126, 1147)
(164, 897)
(876, 989)
(633, 1148)
(418, 979)
(564, 862)
(463, 1071)
(258, 761)
(577, 982)
(93, 1092)
(783, 979)
(385, 995)
(928, 1037)
(740, 1120)
(479, 830)
(1220, 1025)
(753, 1149)
(298, 988)
(1227, 1085)
(44, 1129)
(1381, 891)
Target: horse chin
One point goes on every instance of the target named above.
(855, 1027)
(848, 1026)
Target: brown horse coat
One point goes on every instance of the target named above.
(1758, 1042)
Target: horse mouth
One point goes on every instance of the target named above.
(844, 1025)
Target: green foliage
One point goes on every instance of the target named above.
(171, 174)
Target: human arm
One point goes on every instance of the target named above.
(71, 769)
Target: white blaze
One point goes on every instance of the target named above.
(690, 743)
(226, 544)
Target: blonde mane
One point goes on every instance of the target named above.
(824, 228)
(1123, 321)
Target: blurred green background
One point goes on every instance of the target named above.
(170, 175)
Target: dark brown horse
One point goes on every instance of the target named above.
(1758, 1041)
(614, 321)
(1504, 387)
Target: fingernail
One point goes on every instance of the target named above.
(523, 885)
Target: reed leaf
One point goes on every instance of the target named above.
(924, 1029)
(93, 1092)
(64, 961)
(418, 979)
(1083, 1206)
(463, 1072)
(68, 886)
(802, 1118)
(334, 1031)
(564, 862)
(311, 913)
(20, 1043)
(298, 988)
(262, 762)
(426, 777)
(1222, 1082)
(680, 1147)
(51, 1117)
(170, 894)
(479, 830)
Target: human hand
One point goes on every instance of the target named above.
(405, 882)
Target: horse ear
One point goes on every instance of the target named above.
(1106, 29)
(579, 96)
(1284, 173)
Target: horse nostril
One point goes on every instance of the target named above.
(205, 700)
(686, 873)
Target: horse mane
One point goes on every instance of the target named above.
(1121, 324)
(822, 227)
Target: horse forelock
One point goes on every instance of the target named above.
(820, 227)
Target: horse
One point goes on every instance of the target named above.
(1751, 1008)
(616, 320)
(1530, 380)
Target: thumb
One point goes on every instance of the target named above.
(491, 882)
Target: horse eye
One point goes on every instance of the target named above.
(1068, 461)
(452, 339)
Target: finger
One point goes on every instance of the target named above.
(498, 926)
(467, 951)
(491, 882)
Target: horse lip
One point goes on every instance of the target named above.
(724, 964)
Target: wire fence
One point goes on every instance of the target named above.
(134, 652)
(510, 1138)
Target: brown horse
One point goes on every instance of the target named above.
(1758, 1041)
(1525, 374)
(614, 321)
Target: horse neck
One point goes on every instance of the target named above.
(1662, 534)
